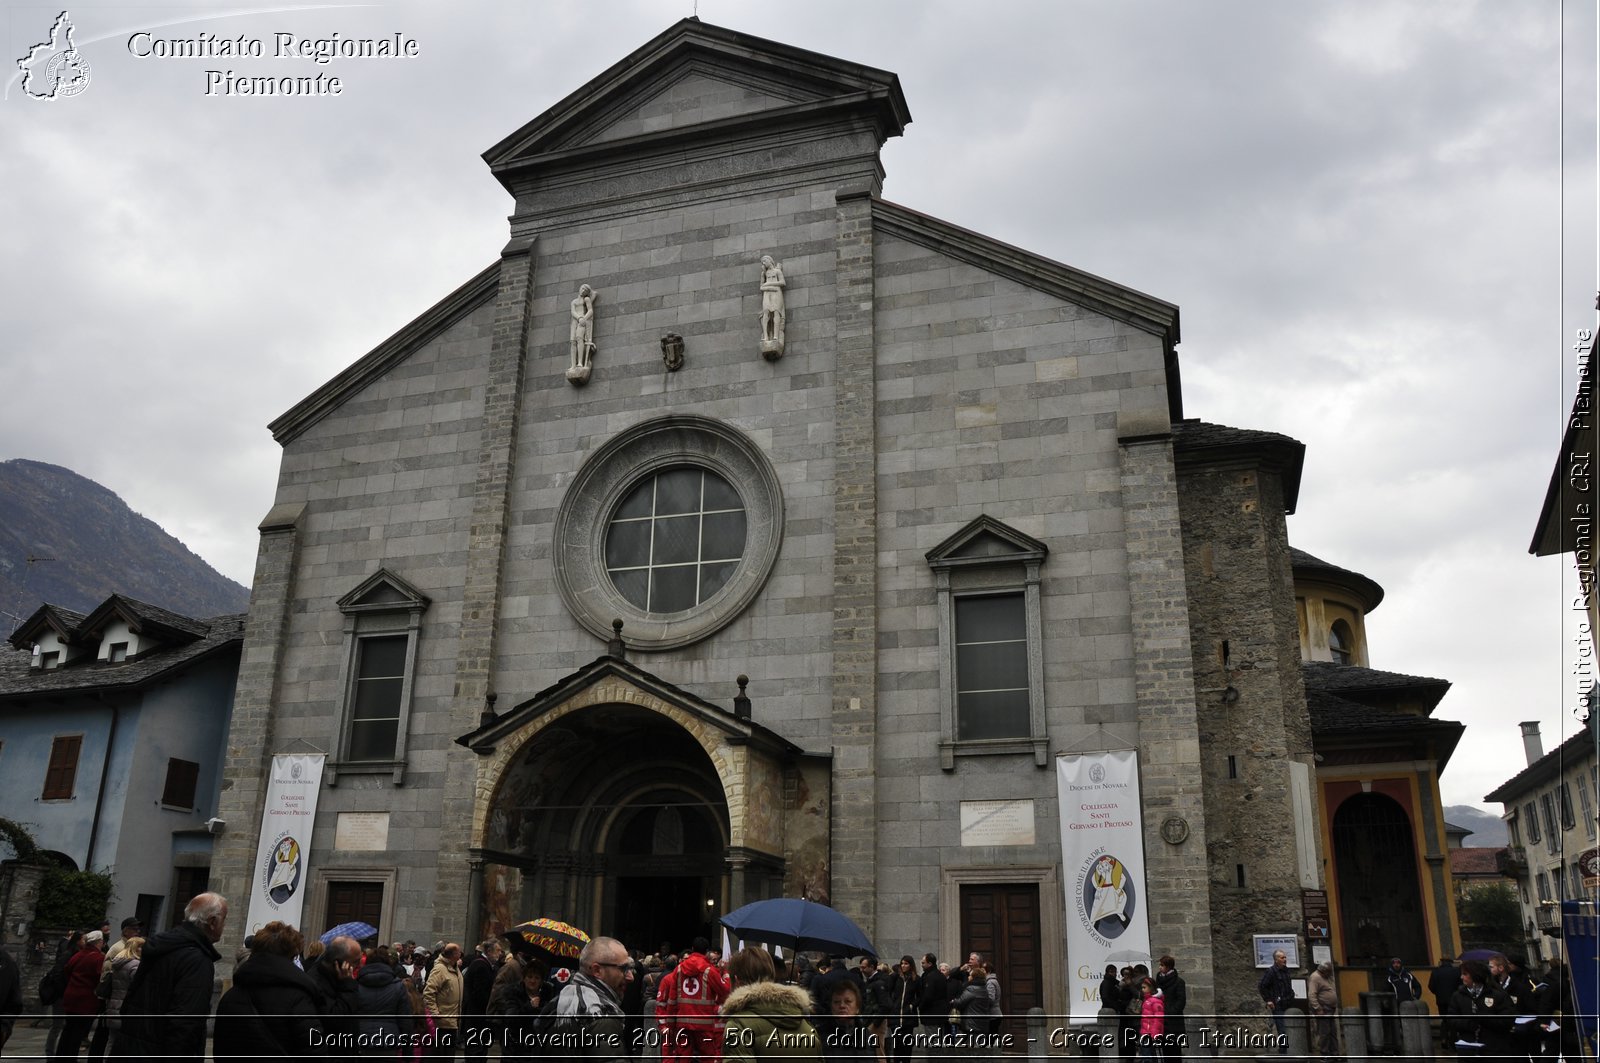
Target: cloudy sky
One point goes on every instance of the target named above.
(1377, 218)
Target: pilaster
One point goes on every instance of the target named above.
(1169, 738)
(855, 560)
(248, 758)
(480, 606)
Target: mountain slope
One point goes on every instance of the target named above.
(87, 545)
(1488, 829)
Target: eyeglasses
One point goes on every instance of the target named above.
(619, 966)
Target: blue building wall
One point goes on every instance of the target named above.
(137, 838)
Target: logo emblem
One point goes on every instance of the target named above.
(280, 876)
(295, 771)
(1097, 773)
(1107, 898)
(54, 69)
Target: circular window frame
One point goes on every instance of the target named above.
(578, 539)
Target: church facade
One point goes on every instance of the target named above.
(740, 533)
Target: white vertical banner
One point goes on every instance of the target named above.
(277, 885)
(1102, 861)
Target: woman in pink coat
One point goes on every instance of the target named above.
(1152, 1020)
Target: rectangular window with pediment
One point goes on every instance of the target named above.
(383, 624)
(991, 668)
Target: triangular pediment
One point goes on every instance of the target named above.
(383, 592)
(987, 541)
(609, 681)
(697, 92)
(696, 76)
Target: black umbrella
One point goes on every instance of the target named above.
(799, 925)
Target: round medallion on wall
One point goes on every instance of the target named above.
(1175, 830)
(673, 526)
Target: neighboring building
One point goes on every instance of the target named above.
(1470, 868)
(1572, 501)
(1380, 755)
(1548, 833)
(1551, 816)
(939, 503)
(112, 728)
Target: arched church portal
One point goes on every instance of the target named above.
(1380, 899)
(612, 818)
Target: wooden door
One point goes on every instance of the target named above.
(1002, 923)
(352, 901)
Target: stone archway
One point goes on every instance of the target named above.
(600, 809)
(626, 807)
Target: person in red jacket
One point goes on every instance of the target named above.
(688, 1006)
(79, 1003)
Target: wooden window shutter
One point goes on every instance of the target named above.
(63, 769)
(182, 778)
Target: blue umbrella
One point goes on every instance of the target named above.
(359, 931)
(798, 924)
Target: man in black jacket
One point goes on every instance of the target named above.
(1443, 983)
(934, 999)
(164, 1014)
(1174, 999)
(1277, 992)
(477, 983)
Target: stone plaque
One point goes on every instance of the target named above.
(362, 832)
(997, 822)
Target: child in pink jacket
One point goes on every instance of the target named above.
(1152, 1020)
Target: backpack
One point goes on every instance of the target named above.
(53, 986)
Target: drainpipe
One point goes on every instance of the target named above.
(100, 798)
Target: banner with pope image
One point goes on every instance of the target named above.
(1102, 860)
(278, 878)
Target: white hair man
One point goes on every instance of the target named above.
(164, 1014)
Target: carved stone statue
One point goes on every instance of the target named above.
(582, 336)
(772, 312)
(672, 351)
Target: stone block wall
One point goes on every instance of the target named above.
(1241, 593)
(994, 398)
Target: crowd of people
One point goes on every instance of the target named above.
(291, 996)
(1497, 1008)
(1493, 1007)
(1149, 1008)
(152, 997)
